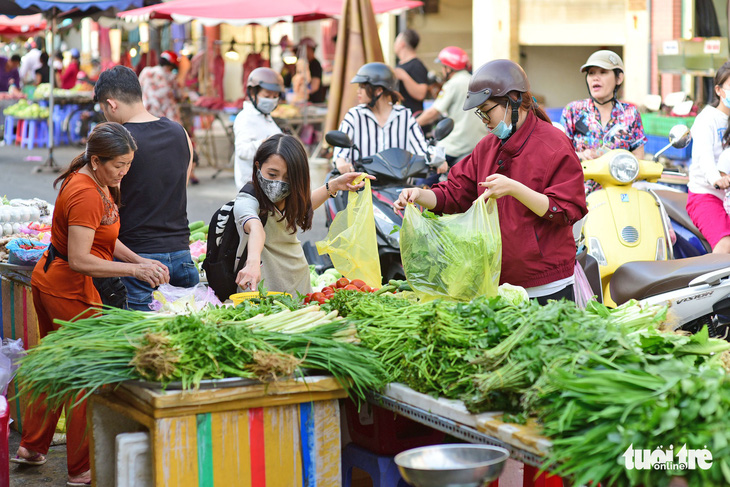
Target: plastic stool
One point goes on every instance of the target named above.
(35, 133)
(9, 129)
(19, 131)
(4, 447)
(382, 470)
(59, 115)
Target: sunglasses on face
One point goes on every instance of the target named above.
(484, 115)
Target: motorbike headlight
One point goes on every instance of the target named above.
(624, 167)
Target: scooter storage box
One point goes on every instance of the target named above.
(386, 433)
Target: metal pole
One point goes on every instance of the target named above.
(50, 163)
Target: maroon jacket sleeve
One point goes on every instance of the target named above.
(565, 191)
(458, 192)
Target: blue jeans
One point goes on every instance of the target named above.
(183, 273)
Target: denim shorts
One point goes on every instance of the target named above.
(183, 273)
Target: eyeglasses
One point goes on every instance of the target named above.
(484, 116)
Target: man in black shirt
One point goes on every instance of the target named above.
(410, 71)
(317, 90)
(153, 213)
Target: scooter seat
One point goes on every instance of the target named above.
(639, 280)
(676, 205)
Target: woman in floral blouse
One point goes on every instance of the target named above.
(601, 122)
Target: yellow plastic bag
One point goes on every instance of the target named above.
(351, 241)
(455, 257)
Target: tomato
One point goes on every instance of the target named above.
(366, 289)
(342, 282)
(319, 297)
(328, 290)
(307, 299)
(374, 289)
(350, 287)
(358, 283)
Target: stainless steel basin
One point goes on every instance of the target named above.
(458, 465)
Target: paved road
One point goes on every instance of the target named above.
(18, 181)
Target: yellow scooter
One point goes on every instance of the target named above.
(624, 223)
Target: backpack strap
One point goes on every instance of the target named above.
(249, 189)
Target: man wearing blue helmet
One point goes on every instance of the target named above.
(68, 76)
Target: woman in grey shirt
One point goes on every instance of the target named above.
(282, 187)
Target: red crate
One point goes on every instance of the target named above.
(386, 433)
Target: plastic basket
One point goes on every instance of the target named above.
(655, 143)
(239, 298)
(385, 432)
(657, 124)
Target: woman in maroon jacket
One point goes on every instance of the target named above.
(532, 170)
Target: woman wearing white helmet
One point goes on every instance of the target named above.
(602, 122)
(254, 123)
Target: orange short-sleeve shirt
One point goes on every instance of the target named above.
(80, 202)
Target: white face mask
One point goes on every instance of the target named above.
(266, 105)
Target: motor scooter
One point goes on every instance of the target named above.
(696, 289)
(625, 223)
(395, 169)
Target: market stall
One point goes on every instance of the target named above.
(283, 433)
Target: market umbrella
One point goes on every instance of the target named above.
(53, 9)
(242, 12)
(357, 43)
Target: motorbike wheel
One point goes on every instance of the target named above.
(715, 327)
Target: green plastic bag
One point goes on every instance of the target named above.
(455, 257)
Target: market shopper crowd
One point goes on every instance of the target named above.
(121, 209)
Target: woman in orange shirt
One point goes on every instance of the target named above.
(83, 245)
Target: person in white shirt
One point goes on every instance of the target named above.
(29, 64)
(378, 122)
(254, 123)
(706, 186)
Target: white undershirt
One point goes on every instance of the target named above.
(550, 288)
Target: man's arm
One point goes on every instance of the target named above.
(428, 116)
(415, 89)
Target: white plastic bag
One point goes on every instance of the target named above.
(10, 352)
(181, 299)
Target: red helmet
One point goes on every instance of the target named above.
(170, 57)
(453, 57)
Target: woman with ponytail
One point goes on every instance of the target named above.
(83, 245)
(530, 167)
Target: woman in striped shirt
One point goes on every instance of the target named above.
(378, 122)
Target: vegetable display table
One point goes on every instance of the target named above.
(524, 443)
(19, 321)
(284, 433)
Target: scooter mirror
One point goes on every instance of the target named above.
(443, 128)
(680, 136)
(338, 139)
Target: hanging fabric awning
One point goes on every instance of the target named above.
(22, 24)
(65, 5)
(243, 12)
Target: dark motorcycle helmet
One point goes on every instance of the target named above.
(495, 79)
(377, 74)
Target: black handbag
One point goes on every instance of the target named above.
(112, 290)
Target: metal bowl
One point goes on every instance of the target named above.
(457, 465)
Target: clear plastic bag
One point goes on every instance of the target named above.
(351, 242)
(10, 352)
(582, 288)
(456, 257)
(19, 256)
(182, 299)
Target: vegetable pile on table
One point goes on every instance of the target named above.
(219, 342)
(597, 380)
